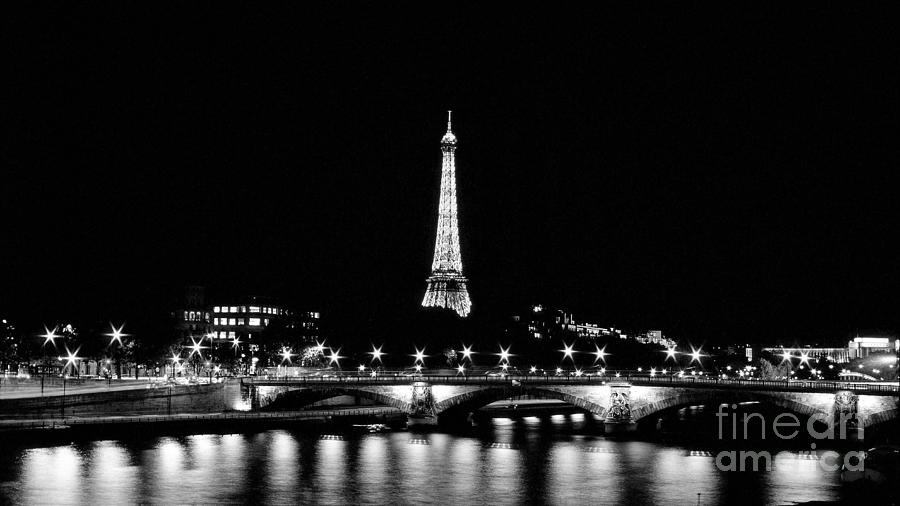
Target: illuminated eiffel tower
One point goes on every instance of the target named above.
(447, 285)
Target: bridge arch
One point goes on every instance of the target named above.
(886, 415)
(473, 400)
(640, 410)
(305, 396)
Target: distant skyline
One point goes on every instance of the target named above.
(718, 177)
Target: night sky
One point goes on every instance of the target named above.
(721, 175)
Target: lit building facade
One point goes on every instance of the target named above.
(242, 318)
(862, 347)
(253, 316)
(192, 318)
(543, 322)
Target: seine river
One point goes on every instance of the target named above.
(552, 459)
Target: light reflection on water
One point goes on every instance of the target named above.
(512, 461)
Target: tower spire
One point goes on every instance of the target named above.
(447, 285)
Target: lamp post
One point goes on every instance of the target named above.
(48, 336)
(114, 335)
(71, 359)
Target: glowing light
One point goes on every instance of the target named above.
(461, 370)
(600, 354)
(467, 352)
(505, 367)
(361, 368)
(670, 353)
(695, 354)
(175, 357)
(618, 375)
(372, 374)
(195, 348)
(71, 357)
(286, 355)
(785, 356)
(504, 354)
(639, 369)
(418, 368)
(804, 357)
(602, 370)
(559, 370)
(578, 372)
(652, 371)
(533, 369)
(376, 353)
(236, 342)
(320, 347)
(447, 285)
(567, 351)
(116, 334)
(49, 336)
(335, 357)
(420, 355)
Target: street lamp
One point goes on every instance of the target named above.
(567, 351)
(504, 354)
(467, 352)
(600, 354)
(71, 358)
(116, 334)
(670, 353)
(695, 354)
(376, 353)
(175, 359)
(49, 337)
(335, 357)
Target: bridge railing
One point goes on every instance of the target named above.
(692, 381)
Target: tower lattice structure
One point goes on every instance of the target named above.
(447, 285)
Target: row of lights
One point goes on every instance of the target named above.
(568, 351)
(419, 356)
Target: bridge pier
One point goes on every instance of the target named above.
(422, 406)
(846, 416)
(618, 415)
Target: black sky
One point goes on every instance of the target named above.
(718, 174)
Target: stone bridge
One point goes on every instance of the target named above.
(617, 401)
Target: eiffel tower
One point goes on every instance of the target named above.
(447, 285)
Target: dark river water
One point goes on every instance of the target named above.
(550, 459)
